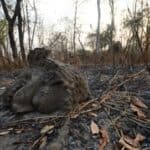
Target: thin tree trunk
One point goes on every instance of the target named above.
(75, 22)
(137, 38)
(24, 17)
(11, 22)
(12, 40)
(111, 3)
(98, 27)
(28, 28)
(35, 23)
(21, 35)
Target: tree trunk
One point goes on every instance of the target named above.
(98, 27)
(12, 40)
(11, 22)
(35, 23)
(28, 27)
(111, 3)
(21, 36)
(75, 22)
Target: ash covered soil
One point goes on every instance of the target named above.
(116, 117)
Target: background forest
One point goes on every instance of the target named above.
(22, 28)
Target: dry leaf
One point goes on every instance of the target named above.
(126, 145)
(50, 132)
(43, 143)
(140, 114)
(2, 88)
(46, 129)
(18, 131)
(130, 143)
(137, 102)
(6, 82)
(4, 133)
(10, 129)
(94, 105)
(94, 128)
(92, 114)
(139, 137)
(105, 138)
(106, 97)
(74, 116)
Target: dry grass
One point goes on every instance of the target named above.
(87, 58)
(9, 64)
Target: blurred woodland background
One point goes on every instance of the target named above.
(22, 29)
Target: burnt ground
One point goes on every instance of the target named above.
(116, 107)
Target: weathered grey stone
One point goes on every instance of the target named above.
(46, 86)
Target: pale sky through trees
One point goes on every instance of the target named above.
(53, 10)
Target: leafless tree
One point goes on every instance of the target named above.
(135, 23)
(31, 9)
(40, 33)
(11, 24)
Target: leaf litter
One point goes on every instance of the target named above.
(118, 115)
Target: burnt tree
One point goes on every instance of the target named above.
(11, 23)
(21, 35)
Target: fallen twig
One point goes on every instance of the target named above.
(14, 123)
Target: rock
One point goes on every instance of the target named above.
(22, 99)
(47, 98)
(46, 86)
